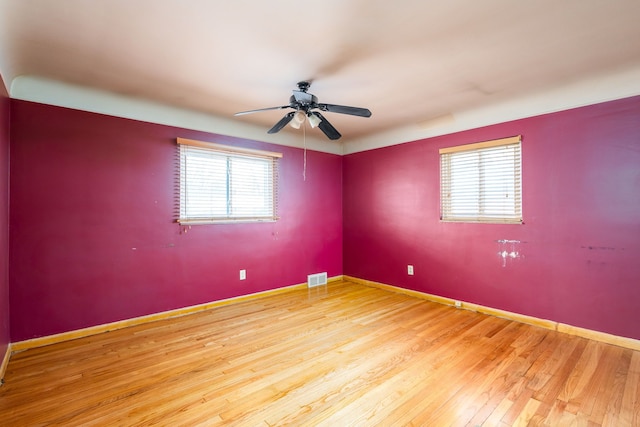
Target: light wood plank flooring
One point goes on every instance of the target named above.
(344, 355)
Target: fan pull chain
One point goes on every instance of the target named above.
(304, 143)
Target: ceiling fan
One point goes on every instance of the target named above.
(306, 105)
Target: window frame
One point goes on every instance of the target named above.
(230, 153)
(480, 215)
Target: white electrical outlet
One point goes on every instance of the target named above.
(458, 304)
(243, 274)
(410, 270)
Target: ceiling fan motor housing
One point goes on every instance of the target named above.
(303, 100)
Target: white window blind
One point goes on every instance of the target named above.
(220, 183)
(482, 182)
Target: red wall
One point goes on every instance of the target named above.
(4, 219)
(93, 237)
(579, 260)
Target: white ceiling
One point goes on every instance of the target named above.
(417, 65)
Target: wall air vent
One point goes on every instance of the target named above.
(314, 280)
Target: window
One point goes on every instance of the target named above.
(220, 183)
(482, 182)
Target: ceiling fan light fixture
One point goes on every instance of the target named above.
(298, 119)
(314, 120)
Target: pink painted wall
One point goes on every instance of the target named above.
(579, 260)
(93, 237)
(86, 189)
(4, 219)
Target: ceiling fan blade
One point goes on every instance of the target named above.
(327, 127)
(343, 109)
(241, 113)
(282, 123)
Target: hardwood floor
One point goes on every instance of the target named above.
(337, 356)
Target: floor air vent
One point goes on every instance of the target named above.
(314, 280)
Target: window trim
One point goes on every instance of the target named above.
(485, 144)
(479, 146)
(228, 148)
(231, 150)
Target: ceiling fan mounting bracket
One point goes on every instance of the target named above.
(303, 86)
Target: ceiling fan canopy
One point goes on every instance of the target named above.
(306, 107)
